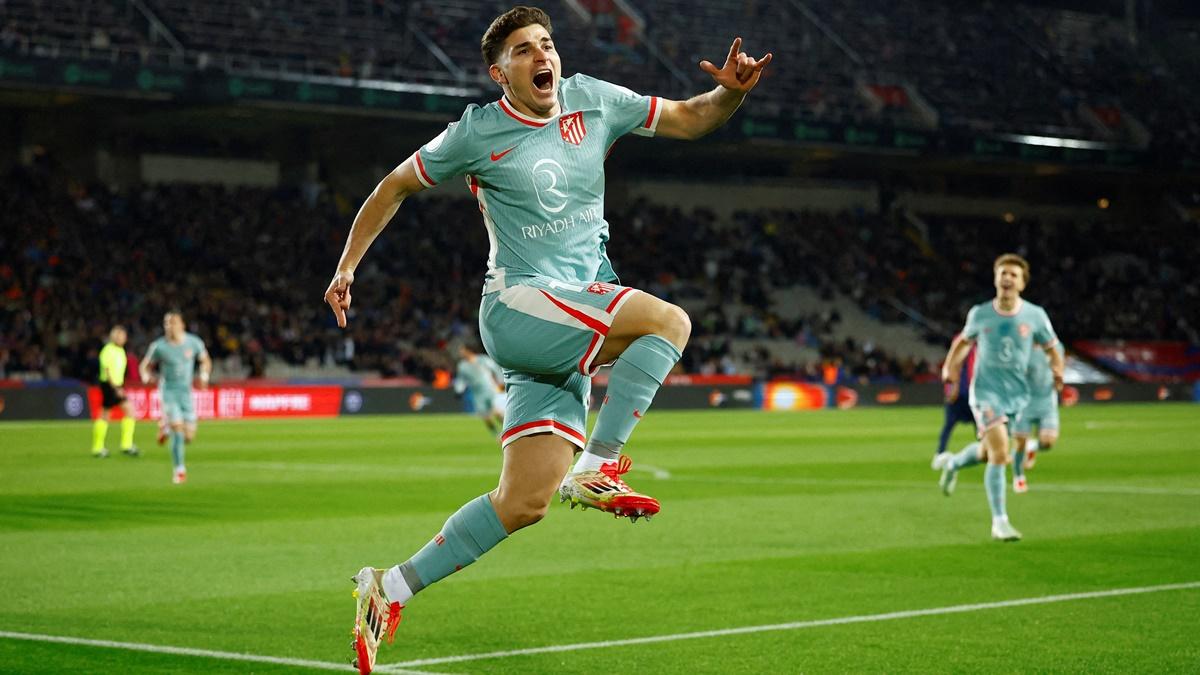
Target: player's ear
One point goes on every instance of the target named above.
(497, 75)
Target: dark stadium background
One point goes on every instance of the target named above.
(211, 156)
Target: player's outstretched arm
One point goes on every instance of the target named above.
(374, 215)
(959, 349)
(144, 366)
(702, 114)
(1058, 364)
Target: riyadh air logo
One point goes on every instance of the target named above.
(550, 185)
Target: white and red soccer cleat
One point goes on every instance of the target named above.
(375, 616)
(1019, 485)
(179, 477)
(605, 490)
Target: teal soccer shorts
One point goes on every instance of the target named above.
(546, 335)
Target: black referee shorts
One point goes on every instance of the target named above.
(109, 398)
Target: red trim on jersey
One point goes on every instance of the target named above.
(653, 107)
(548, 424)
(421, 168)
(588, 356)
(473, 184)
(523, 119)
(578, 315)
(617, 299)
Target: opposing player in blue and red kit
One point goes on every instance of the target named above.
(553, 309)
(958, 407)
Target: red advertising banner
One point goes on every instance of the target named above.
(237, 402)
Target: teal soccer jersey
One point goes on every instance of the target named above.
(1005, 341)
(1042, 408)
(176, 362)
(540, 182)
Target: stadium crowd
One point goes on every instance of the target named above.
(924, 63)
(248, 267)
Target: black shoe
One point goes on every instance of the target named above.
(132, 451)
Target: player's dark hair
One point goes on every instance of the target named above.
(1013, 259)
(504, 25)
(173, 312)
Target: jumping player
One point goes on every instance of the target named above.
(1006, 329)
(113, 363)
(553, 310)
(174, 357)
(485, 379)
(1041, 412)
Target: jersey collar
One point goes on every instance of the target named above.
(1016, 308)
(521, 117)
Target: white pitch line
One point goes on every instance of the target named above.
(795, 625)
(659, 472)
(189, 651)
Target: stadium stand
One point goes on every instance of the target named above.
(771, 292)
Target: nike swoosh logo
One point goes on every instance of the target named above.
(497, 158)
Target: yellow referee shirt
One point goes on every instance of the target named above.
(112, 360)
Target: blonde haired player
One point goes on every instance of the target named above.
(1006, 330)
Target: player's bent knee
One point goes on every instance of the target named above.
(674, 324)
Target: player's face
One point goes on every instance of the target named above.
(173, 326)
(529, 68)
(118, 337)
(1010, 280)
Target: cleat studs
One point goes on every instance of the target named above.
(573, 505)
(641, 511)
(354, 663)
(354, 593)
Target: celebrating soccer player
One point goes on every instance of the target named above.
(174, 357)
(553, 310)
(1006, 329)
(485, 379)
(112, 395)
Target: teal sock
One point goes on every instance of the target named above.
(634, 381)
(1019, 462)
(472, 531)
(968, 456)
(993, 481)
(177, 444)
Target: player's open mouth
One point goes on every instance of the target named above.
(543, 80)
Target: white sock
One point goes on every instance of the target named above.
(395, 587)
(996, 520)
(589, 462)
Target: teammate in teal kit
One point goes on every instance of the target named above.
(1006, 330)
(1042, 412)
(485, 379)
(173, 358)
(553, 309)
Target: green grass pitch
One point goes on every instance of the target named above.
(767, 518)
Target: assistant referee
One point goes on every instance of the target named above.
(112, 395)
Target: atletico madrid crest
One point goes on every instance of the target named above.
(571, 127)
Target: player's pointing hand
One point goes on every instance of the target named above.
(338, 295)
(740, 72)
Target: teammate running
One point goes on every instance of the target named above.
(553, 310)
(485, 379)
(1006, 329)
(1041, 412)
(113, 363)
(174, 357)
